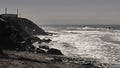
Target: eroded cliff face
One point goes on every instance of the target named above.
(14, 32)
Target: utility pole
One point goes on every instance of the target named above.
(5, 10)
(17, 12)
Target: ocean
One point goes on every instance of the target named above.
(101, 42)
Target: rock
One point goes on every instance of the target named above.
(44, 47)
(34, 39)
(40, 50)
(30, 48)
(54, 51)
(46, 40)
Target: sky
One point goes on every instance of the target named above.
(65, 11)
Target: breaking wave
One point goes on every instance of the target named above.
(99, 43)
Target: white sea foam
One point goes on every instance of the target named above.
(116, 38)
(88, 44)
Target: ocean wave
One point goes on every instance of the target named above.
(91, 42)
(88, 44)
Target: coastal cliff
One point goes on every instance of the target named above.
(14, 31)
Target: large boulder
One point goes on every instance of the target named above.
(54, 51)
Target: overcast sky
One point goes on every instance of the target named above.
(66, 11)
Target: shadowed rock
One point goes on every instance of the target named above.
(46, 40)
(54, 51)
(40, 51)
(44, 47)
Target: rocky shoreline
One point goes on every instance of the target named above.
(20, 48)
(18, 59)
